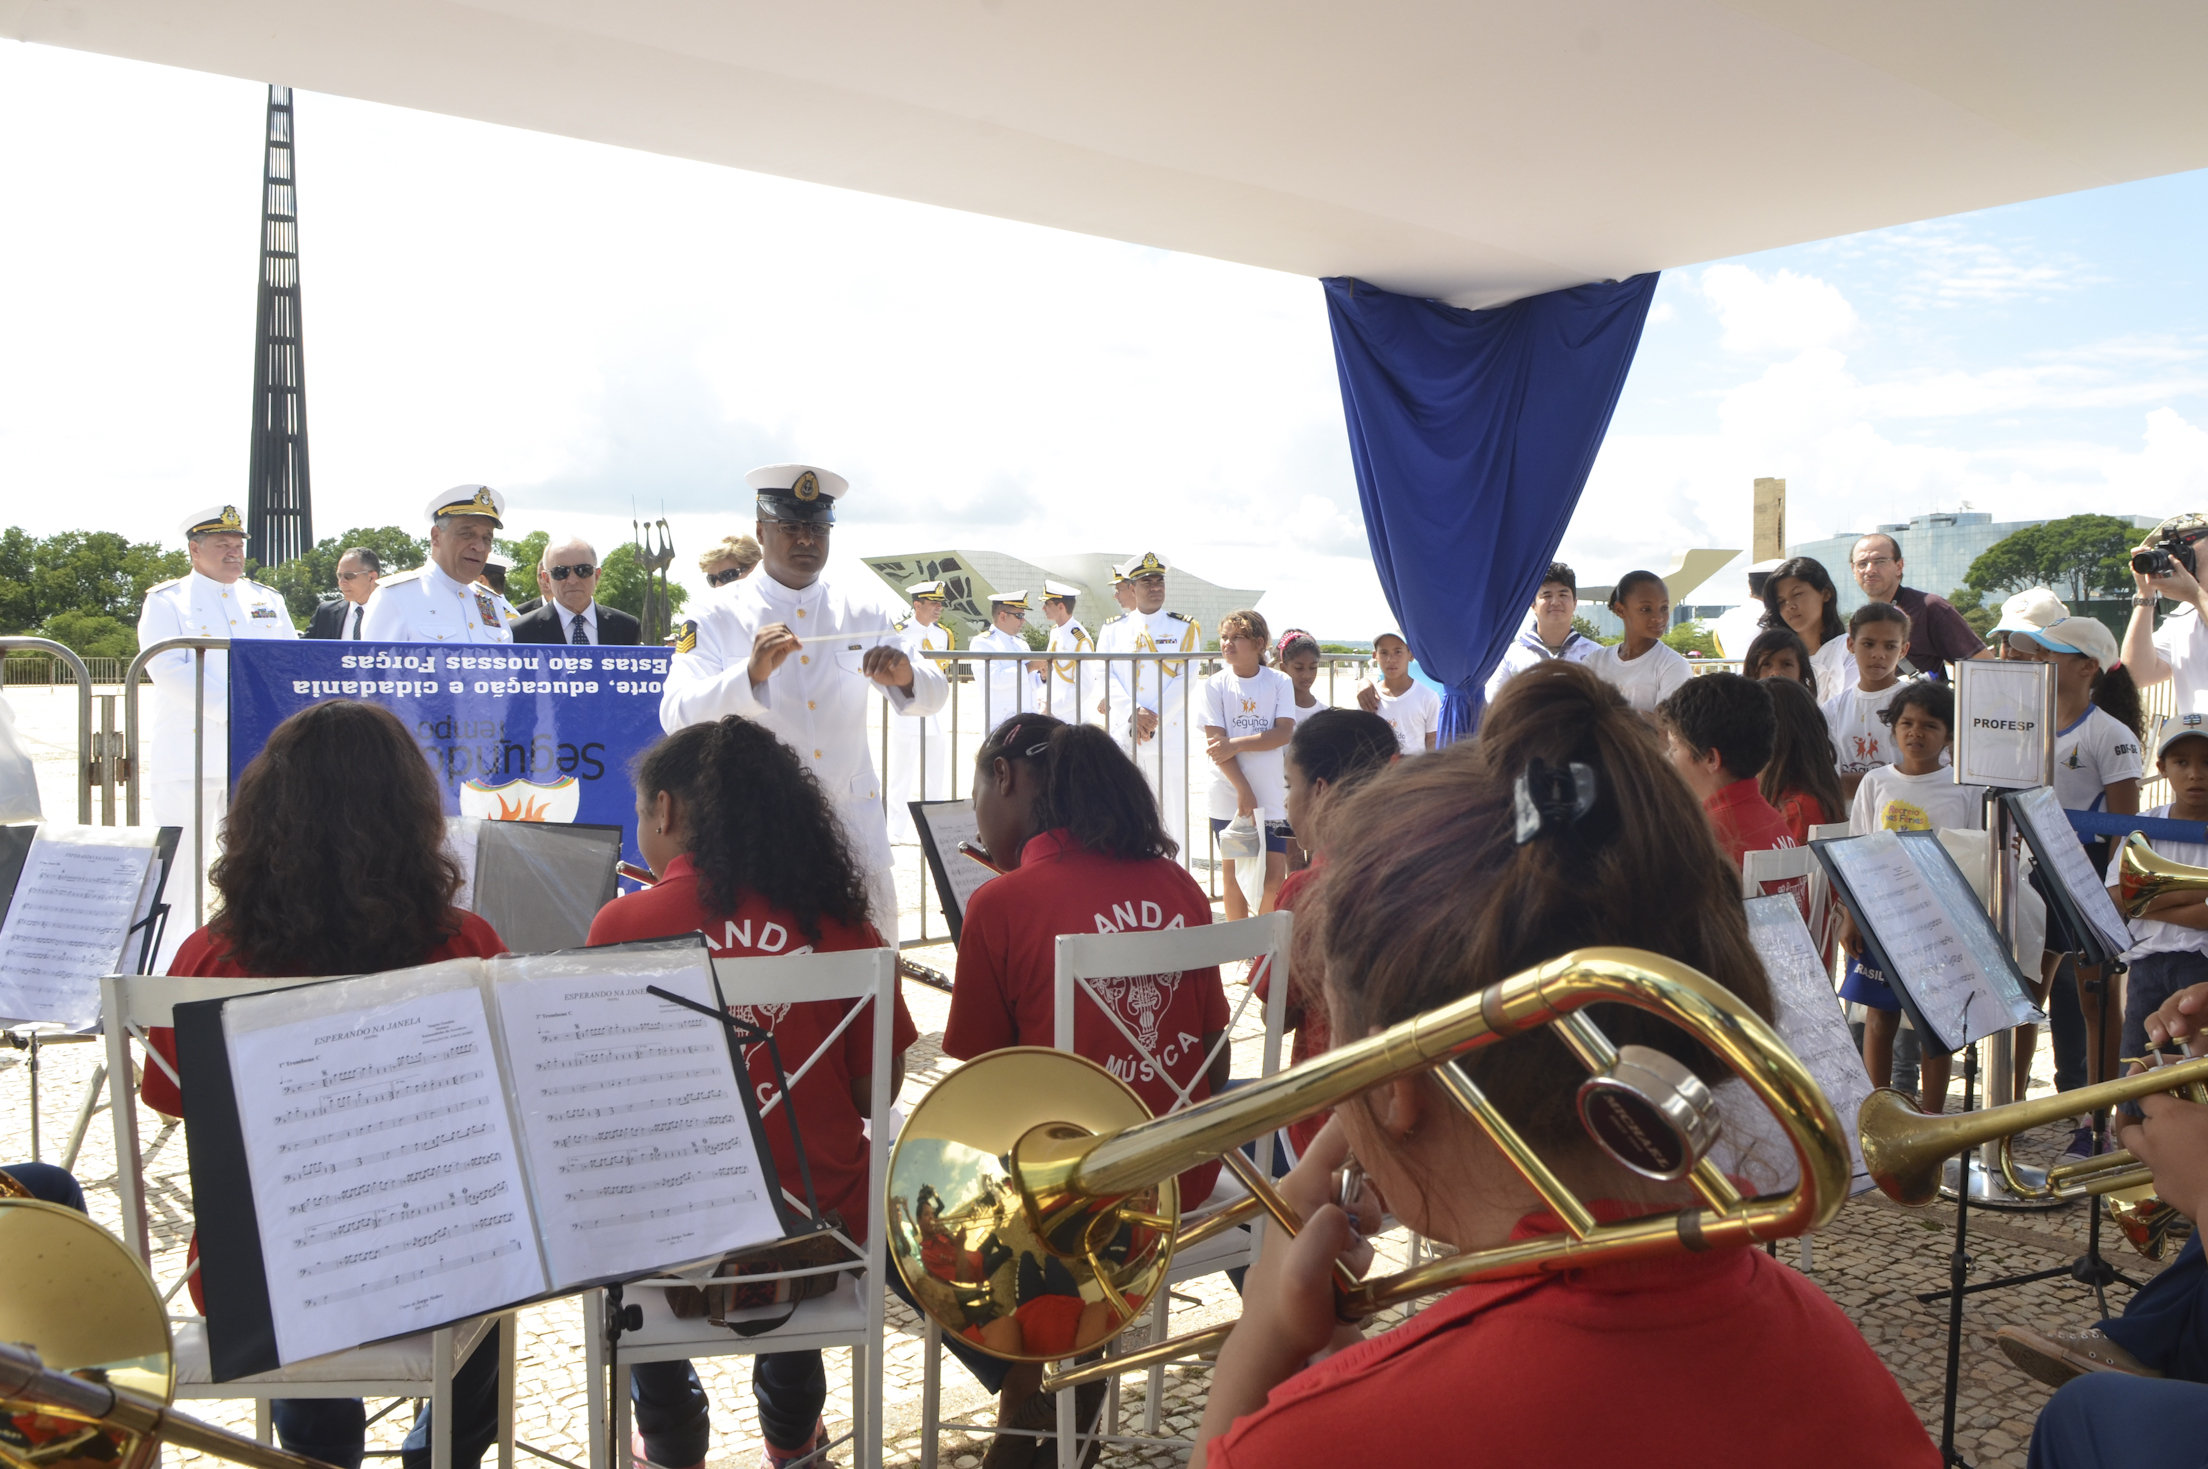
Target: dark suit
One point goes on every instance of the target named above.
(332, 618)
(550, 624)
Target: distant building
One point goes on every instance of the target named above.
(970, 576)
(1688, 573)
(1936, 550)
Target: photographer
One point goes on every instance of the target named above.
(2164, 565)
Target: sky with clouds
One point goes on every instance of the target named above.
(601, 332)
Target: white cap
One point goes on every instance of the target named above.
(214, 520)
(2085, 635)
(1012, 601)
(921, 589)
(2031, 609)
(786, 479)
(2176, 727)
(468, 500)
(1059, 589)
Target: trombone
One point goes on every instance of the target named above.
(1076, 1181)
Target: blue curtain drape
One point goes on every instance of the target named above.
(1473, 433)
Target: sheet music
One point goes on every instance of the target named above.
(2055, 842)
(71, 914)
(461, 836)
(385, 1175)
(1944, 954)
(1809, 1019)
(640, 1150)
(952, 822)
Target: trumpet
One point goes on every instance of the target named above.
(1905, 1149)
(2144, 874)
(1075, 1181)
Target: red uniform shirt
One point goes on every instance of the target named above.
(833, 1127)
(1800, 811)
(1007, 956)
(1307, 1016)
(206, 956)
(1745, 822)
(1728, 1357)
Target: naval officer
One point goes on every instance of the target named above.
(1159, 689)
(918, 748)
(442, 601)
(1116, 707)
(799, 648)
(1012, 687)
(1073, 683)
(213, 601)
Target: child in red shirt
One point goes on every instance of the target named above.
(749, 853)
(1557, 830)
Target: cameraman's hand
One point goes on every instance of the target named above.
(2178, 584)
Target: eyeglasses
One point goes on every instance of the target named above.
(723, 578)
(354, 575)
(1866, 563)
(583, 571)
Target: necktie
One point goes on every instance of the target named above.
(579, 636)
(356, 621)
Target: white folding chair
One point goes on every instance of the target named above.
(418, 1366)
(854, 1314)
(1083, 960)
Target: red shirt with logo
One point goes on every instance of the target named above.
(205, 955)
(1800, 811)
(833, 1127)
(1007, 956)
(1801, 1386)
(1745, 822)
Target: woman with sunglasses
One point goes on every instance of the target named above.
(730, 561)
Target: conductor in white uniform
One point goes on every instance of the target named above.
(213, 601)
(441, 601)
(799, 649)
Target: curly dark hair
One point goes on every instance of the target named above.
(756, 822)
(1089, 786)
(333, 858)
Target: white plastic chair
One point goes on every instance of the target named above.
(418, 1366)
(854, 1314)
(1081, 960)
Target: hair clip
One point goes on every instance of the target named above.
(1547, 799)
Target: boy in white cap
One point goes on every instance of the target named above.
(443, 600)
(1073, 683)
(800, 650)
(1158, 690)
(1011, 688)
(213, 600)
(918, 748)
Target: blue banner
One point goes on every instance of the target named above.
(526, 732)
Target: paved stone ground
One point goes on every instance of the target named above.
(1873, 1260)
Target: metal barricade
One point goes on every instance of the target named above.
(133, 750)
(86, 773)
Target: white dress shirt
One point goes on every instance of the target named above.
(589, 615)
(427, 606)
(816, 701)
(196, 606)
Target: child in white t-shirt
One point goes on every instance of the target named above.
(1411, 709)
(1913, 793)
(1878, 636)
(2170, 951)
(1641, 667)
(1249, 716)
(2097, 768)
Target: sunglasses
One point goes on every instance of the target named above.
(583, 571)
(354, 575)
(723, 578)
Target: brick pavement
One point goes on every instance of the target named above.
(1873, 1261)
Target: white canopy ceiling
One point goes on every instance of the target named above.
(1475, 150)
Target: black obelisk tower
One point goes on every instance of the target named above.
(279, 519)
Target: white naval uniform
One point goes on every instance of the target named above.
(195, 606)
(1074, 685)
(1009, 688)
(427, 606)
(918, 748)
(1164, 688)
(815, 702)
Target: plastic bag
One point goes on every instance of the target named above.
(1243, 843)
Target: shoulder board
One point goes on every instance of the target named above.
(264, 586)
(398, 577)
(1107, 622)
(901, 624)
(162, 586)
(1180, 617)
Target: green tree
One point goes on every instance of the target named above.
(309, 577)
(97, 575)
(522, 557)
(1691, 637)
(2083, 553)
(92, 634)
(621, 583)
(1586, 629)
(1972, 604)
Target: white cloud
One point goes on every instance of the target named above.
(1784, 312)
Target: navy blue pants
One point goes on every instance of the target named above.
(672, 1415)
(335, 1430)
(2165, 1325)
(2113, 1420)
(49, 1184)
(2153, 979)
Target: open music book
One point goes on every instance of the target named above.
(2068, 873)
(390, 1153)
(68, 911)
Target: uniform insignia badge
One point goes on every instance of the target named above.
(484, 501)
(264, 612)
(231, 519)
(686, 641)
(484, 605)
(807, 486)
